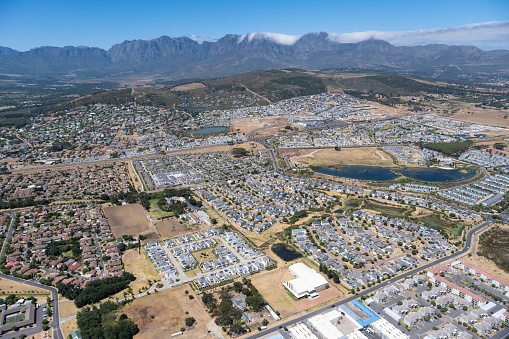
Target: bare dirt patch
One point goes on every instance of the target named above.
(346, 156)
(66, 308)
(127, 219)
(140, 266)
(11, 287)
(188, 87)
(172, 227)
(276, 297)
(68, 327)
(266, 125)
(161, 314)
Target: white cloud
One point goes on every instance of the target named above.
(278, 38)
(200, 39)
(487, 35)
(482, 34)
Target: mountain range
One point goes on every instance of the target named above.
(184, 58)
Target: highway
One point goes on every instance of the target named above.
(468, 244)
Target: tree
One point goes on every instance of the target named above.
(190, 321)
(265, 322)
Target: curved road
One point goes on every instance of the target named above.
(468, 244)
(55, 323)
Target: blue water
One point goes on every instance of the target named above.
(385, 174)
(208, 130)
(360, 172)
(436, 174)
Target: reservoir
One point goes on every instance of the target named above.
(285, 252)
(207, 130)
(385, 174)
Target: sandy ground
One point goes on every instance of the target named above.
(267, 125)
(346, 156)
(161, 314)
(132, 176)
(10, 287)
(482, 262)
(127, 219)
(68, 327)
(66, 307)
(188, 87)
(265, 284)
(140, 266)
(171, 227)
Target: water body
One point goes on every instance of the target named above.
(206, 130)
(436, 174)
(385, 174)
(360, 172)
(285, 252)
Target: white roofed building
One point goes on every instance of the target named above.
(307, 281)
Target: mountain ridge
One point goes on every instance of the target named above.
(183, 57)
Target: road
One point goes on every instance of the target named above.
(9, 234)
(55, 323)
(468, 244)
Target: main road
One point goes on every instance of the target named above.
(468, 244)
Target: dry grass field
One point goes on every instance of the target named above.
(277, 298)
(267, 125)
(188, 87)
(247, 145)
(161, 314)
(68, 327)
(127, 219)
(480, 261)
(346, 156)
(10, 287)
(66, 307)
(172, 227)
(491, 117)
(140, 266)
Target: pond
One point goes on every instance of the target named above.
(285, 252)
(207, 130)
(384, 174)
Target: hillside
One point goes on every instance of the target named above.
(183, 58)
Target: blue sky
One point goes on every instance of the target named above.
(29, 24)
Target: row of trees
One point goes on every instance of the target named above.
(96, 290)
(101, 323)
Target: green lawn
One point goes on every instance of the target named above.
(449, 147)
(15, 318)
(386, 210)
(156, 212)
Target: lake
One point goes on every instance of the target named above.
(207, 130)
(385, 174)
(285, 252)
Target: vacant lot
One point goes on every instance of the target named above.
(161, 314)
(346, 156)
(69, 326)
(66, 307)
(390, 211)
(10, 287)
(127, 219)
(139, 265)
(494, 246)
(188, 87)
(247, 125)
(172, 227)
(269, 286)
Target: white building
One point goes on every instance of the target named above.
(307, 281)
